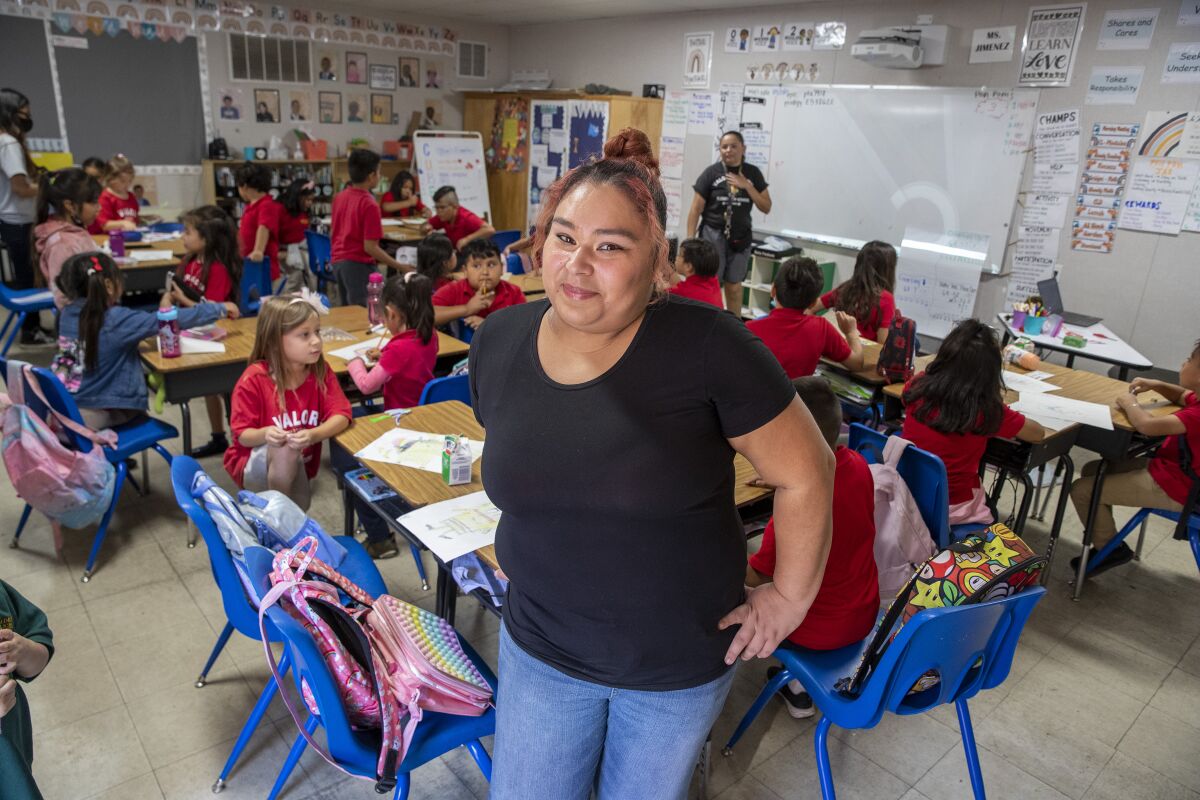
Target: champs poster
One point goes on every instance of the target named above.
(1048, 54)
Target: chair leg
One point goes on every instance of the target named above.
(1140, 518)
(7, 321)
(416, 554)
(12, 336)
(256, 715)
(21, 526)
(972, 754)
(293, 758)
(824, 771)
(767, 692)
(1137, 553)
(98, 539)
(482, 759)
(403, 781)
(222, 640)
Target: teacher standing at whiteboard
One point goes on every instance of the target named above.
(720, 213)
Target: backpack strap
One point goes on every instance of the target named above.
(104, 438)
(893, 450)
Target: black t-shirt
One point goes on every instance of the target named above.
(712, 187)
(619, 531)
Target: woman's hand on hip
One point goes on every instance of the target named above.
(766, 618)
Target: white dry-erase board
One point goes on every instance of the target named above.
(453, 158)
(848, 164)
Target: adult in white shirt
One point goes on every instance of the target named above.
(18, 199)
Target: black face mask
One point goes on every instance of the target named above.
(25, 124)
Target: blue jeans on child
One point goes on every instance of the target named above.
(558, 736)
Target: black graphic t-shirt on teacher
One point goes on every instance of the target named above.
(619, 529)
(711, 185)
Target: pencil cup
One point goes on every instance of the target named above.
(1052, 325)
(1018, 320)
(1033, 325)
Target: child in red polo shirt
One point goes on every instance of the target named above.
(262, 217)
(867, 296)
(1161, 482)
(698, 263)
(846, 605)
(436, 259)
(459, 224)
(401, 199)
(119, 207)
(798, 339)
(287, 402)
(955, 406)
(357, 227)
(479, 294)
(406, 362)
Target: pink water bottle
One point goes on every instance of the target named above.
(375, 299)
(116, 244)
(168, 333)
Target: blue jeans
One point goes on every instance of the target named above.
(558, 736)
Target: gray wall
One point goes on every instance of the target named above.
(1147, 289)
(25, 66)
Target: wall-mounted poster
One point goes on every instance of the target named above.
(509, 146)
(410, 72)
(327, 61)
(329, 107)
(697, 59)
(381, 109)
(547, 151)
(1048, 51)
(266, 105)
(231, 103)
(356, 68)
(737, 40)
(587, 131)
(356, 107)
(382, 77)
(299, 107)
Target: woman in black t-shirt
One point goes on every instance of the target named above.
(720, 213)
(613, 413)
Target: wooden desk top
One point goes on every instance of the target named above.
(172, 246)
(1076, 384)
(867, 376)
(402, 233)
(240, 341)
(527, 283)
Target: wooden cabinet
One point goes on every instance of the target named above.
(509, 191)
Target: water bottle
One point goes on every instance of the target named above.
(168, 333)
(375, 299)
(116, 244)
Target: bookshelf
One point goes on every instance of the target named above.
(756, 288)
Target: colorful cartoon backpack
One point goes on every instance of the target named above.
(989, 565)
(899, 349)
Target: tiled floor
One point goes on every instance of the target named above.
(1103, 700)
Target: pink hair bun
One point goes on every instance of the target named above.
(632, 145)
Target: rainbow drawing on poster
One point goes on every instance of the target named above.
(1162, 140)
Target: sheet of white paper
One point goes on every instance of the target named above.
(546, 176)
(1052, 407)
(539, 155)
(675, 114)
(1023, 383)
(453, 528)
(356, 350)
(1039, 375)
(415, 449)
(1045, 210)
(558, 140)
(1158, 194)
(189, 346)
(148, 255)
(670, 157)
(1057, 136)
(1054, 176)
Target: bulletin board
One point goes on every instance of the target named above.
(588, 130)
(140, 97)
(25, 65)
(453, 158)
(548, 151)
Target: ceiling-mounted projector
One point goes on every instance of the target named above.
(902, 47)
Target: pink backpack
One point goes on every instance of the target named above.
(390, 659)
(71, 488)
(902, 540)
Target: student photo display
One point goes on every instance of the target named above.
(329, 105)
(266, 105)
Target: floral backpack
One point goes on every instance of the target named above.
(989, 565)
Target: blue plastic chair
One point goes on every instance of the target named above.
(971, 647)
(132, 438)
(166, 227)
(320, 258)
(20, 303)
(240, 615)
(923, 473)
(514, 265)
(256, 284)
(503, 239)
(451, 387)
(462, 331)
(358, 751)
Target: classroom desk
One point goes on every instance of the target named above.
(867, 378)
(202, 374)
(397, 231)
(528, 283)
(1102, 345)
(147, 276)
(419, 488)
(1020, 458)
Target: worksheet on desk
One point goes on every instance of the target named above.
(455, 527)
(415, 449)
(1060, 412)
